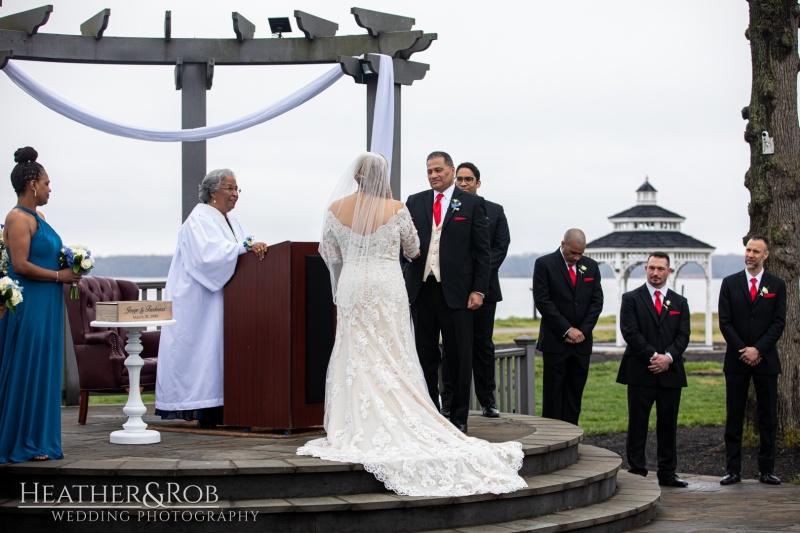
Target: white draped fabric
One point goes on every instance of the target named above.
(382, 127)
(190, 352)
(383, 119)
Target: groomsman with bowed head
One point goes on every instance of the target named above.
(752, 316)
(449, 280)
(568, 295)
(468, 178)
(655, 323)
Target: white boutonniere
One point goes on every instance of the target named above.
(582, 269)
(667, 303)
(455, 204)
(764, 291)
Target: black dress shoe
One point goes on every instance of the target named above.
(445, 412)
(674, 481)
(769, 479)
(491, 411)
(463, 429)
(730, 478)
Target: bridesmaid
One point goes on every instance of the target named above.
(31, 339)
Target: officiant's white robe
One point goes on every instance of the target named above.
(190, 369)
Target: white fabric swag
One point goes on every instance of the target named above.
(382, 125)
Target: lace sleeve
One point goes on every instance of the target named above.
(408, 234)
(329, 247)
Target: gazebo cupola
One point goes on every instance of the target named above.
(646, 215)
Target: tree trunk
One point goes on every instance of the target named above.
(774, 179)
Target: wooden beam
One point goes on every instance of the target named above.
(314, 27)
(28, 21)
(376, 22)
(95, 26)
(243, 28)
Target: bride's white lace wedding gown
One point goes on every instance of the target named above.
(377, 409)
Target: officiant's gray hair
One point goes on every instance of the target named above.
(212, 182)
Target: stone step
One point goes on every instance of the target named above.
(550, 446)
(589, 480)
(632, 505)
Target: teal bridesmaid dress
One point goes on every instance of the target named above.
(31, 359)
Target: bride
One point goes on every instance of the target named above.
(377, 408)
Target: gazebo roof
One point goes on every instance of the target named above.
(647, 240)
(646, 211)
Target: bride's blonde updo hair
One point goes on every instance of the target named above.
(372, 174)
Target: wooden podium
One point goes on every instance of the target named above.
(279, 329)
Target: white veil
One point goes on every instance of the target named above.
(362, 203)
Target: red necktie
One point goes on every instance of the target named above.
(437, 209)
(753, 289)
(658, 302)
(572, 275)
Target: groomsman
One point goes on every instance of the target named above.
(468, 178)
(568, 295)
(752, 315)
(449, 280)
(655, 323)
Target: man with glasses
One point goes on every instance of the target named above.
(468, 178)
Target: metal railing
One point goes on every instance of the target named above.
(515, 372)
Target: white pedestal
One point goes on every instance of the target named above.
(135, 431)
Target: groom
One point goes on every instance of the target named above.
(449, 279)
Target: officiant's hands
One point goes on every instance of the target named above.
(260, 249)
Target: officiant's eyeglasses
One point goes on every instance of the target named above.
(467, 179)
(230, 189)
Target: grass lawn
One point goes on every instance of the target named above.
(603, 333)
(122, 399)
(605, 405)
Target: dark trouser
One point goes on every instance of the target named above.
(483, 364)
(431, 316)
(562, 389)
(640, 402)
(736, 391)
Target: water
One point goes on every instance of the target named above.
(518, 298)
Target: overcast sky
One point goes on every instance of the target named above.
(564, 106)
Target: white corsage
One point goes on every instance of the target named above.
(248, 243)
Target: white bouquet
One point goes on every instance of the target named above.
(79, 259)
(10, 293)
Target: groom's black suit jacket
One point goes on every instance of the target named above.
(464, 248)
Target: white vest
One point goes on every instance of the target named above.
(432, 262)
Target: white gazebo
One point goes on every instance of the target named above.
(645, 228)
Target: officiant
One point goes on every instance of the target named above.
(189, 382)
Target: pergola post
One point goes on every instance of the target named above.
(193, 154)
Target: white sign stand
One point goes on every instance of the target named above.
(135, 431)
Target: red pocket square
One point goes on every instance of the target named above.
(459, 218)
(588, 279)
(769, 295)
(674, 313)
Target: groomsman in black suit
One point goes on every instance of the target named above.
(568, 295)
(752, 315)
(655, 323)
(449, 280)
(468, 178)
